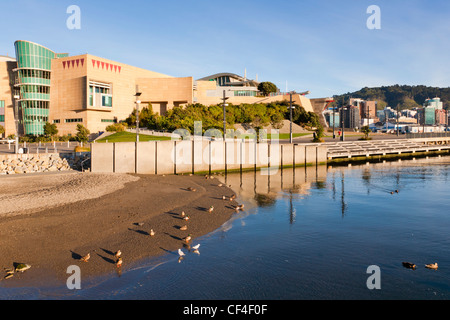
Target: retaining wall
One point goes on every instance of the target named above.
(198, 156)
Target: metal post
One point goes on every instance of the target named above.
(137, 95)
(290, 114)
(334, 120)
(224, 99)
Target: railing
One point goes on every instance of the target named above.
(427, 135)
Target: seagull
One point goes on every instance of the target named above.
(211, 209)
(240, 207)
(192, 189)
(220, 185)
(432, 266)
(232, 197)
(196, 249)
(119, 262)
(152, 233)
(118, 254)
(224, 198)
(183, 214)
(183, 228)
(181, 253)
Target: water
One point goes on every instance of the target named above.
(308, 233)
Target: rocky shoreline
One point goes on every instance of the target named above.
(45, 162)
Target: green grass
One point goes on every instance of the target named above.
(129, 137)
(281, 136)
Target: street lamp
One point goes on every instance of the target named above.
(138, 102)
(16, 120)
(225, 98)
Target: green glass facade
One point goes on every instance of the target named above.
(34, 64)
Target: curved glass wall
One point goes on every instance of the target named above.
(34, 64)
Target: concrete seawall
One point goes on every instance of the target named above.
(201, 156)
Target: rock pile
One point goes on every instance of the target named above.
(29, 163)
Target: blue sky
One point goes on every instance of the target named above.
(319, 45)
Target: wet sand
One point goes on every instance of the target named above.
(102, 213)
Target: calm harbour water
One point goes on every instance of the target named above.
(308, 233)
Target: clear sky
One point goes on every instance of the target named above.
(319, 45)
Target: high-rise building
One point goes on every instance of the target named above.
(350, 117)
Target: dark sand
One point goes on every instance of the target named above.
(50, 240)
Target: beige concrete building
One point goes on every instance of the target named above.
(7, 64)
(96, 92)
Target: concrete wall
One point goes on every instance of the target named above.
(175, 157)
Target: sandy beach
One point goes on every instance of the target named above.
(50, 221)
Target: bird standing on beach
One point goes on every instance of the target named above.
(224, 198)
(211, 209)
(86, 258)
(118, 254)
(192, 189)
(181, 253)
(188, 238)
(119, 262)
(152, 233)
(232, 197)
(186, 218)
(183, 228)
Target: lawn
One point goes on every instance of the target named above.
(129, 137)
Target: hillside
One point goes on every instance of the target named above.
(407, 97)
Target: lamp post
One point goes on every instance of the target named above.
(137, 95)
(224, 105)
(16, 120)
(342, 119)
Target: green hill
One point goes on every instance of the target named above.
(407, 97)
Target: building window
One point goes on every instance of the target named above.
(56, 121)
(73, 120)
(108, 120)
(100, 94)
(2, 118)
(2, 104)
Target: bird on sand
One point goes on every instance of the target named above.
(152, 233)
(240, 207)
(186, 218)
(409, 265)
(119, 262)
(224, 198)
(432, 266)
(86, 258)
(183, 214)
(192, 189)
(211, 209)
(188, 238)
(232, 197)
(183, 228)
(181, 253)
(220, 185)
(118, 254)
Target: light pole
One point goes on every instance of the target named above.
(16, 120)
(137, 95)
(290, 117)
(224, 99)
